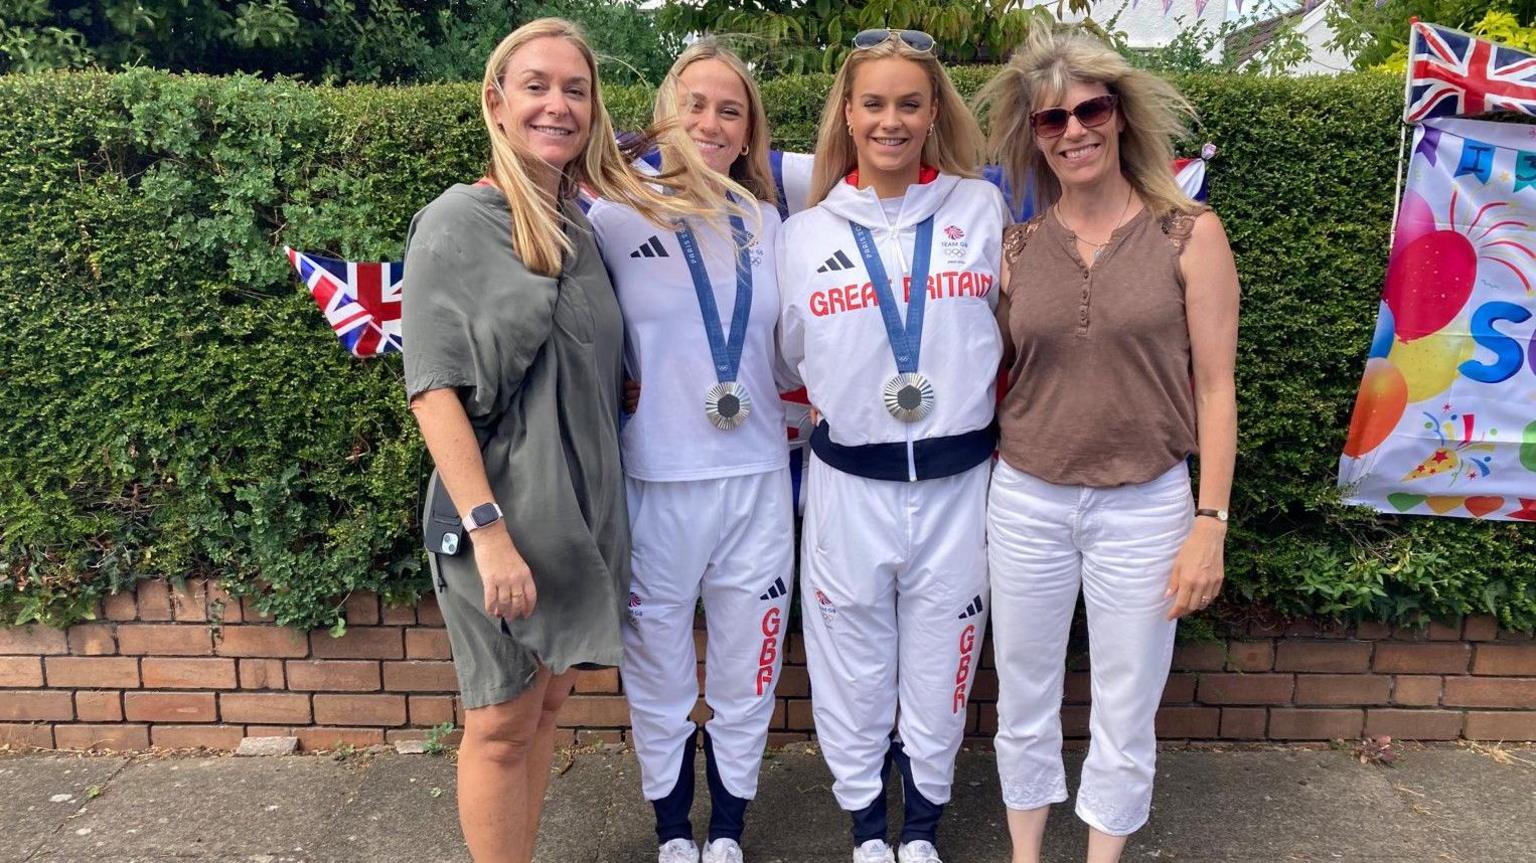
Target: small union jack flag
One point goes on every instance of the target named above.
(361, 300)
(1453, 74)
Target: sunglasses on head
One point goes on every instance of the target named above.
(917, 40)
(1052, 122)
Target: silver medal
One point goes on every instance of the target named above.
(727, 405)
(909, 397)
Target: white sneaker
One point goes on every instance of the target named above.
(678, 851)
(722, 851)
(918, 852)
(874, 851)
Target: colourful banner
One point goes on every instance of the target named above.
(1445, 422)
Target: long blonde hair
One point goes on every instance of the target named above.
(1037, 75)
(750, 169)
(955, 147)
(602, 167)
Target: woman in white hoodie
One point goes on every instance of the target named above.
(888, 284)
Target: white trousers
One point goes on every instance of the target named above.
(1117, 544)
(894, 605)
(731, 542)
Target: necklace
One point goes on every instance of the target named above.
(1099, 247)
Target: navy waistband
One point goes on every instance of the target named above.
(934, 458)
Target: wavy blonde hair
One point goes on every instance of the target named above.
(750, 169)
(955, 147)
(602, 167)
(1036, 77)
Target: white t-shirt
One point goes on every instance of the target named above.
(669, 438)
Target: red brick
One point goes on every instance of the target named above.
(250, 612)
(1481, 627)
(99, 706)
(21, 671)
(795, 682)
(151, 639)
(154, 599)
(420, 677)
(1243, 723)
(262, 674)
(1349, 689)
(268, 642)
(397, 615)
(430, 709)
(1507, 660)
(220, 738)
(189, 602)
(1074, 721)
(120, 606)
(1329, 656)
(111, 737)
(799, 717)
(360, 709)
(1414, 724)
(27, 705)
(1447, 631)
(1290, 723)
(1370, 630)
(1423, 657)
(794, 650)
(92, 672)
(270, 731)
(1251, 656)
(32, 640)
(26, 735)
(1504, 725)
(1411, 633)
(222, 606)
(986, 719)
(170, 707)
(427, 612)
(188, 673)
(433, 644)
(1246, 688)
(317, 739)
(361, 608)
(777, 739)
(359, 642)
(265, 708)
(334, 675)
(92, 639)
(602, 682)
(1077, 687)
(1180, 689)
(1196, 723)
(1416, 690)
(1202, 656)
(1490, 692)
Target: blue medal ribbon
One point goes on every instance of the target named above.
(726, 351)
(906, 341)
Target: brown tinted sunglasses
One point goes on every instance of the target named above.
(1052, 122)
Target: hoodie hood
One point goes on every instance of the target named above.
(862, 206)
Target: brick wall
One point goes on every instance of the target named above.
(182, 668)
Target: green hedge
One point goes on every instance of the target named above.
(175, 405)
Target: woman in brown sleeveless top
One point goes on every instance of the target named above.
(1119, 320)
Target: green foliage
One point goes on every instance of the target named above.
(1374, 32)
(1497, 26)
(176, 405)
(1200, 47)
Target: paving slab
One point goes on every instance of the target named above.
(39, 794)
(403, 808)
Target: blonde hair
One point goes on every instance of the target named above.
(602, 167)
(750, 169)
(1036, 77)
(955, 147)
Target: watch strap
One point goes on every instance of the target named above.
(1218, 514)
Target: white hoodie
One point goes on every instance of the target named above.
(831, 331)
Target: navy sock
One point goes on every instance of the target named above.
(727, 812)
(921, 822)
(672, 810)
(870, 822)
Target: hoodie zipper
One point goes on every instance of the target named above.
(894, 235)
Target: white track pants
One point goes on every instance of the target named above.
(1117, 544)
(731, 542)
(894, 595)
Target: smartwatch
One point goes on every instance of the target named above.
(1218, 514)
(482, 515)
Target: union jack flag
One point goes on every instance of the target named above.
(1453, 74)
(361, 300)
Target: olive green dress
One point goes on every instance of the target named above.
(538, 363)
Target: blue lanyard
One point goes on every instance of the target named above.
(726, 352)
(906, 341)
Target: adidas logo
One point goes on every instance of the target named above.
(777, 590)
(973, 609)
(651, 248)
(837, 262)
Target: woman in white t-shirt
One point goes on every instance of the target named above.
(706, 464)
